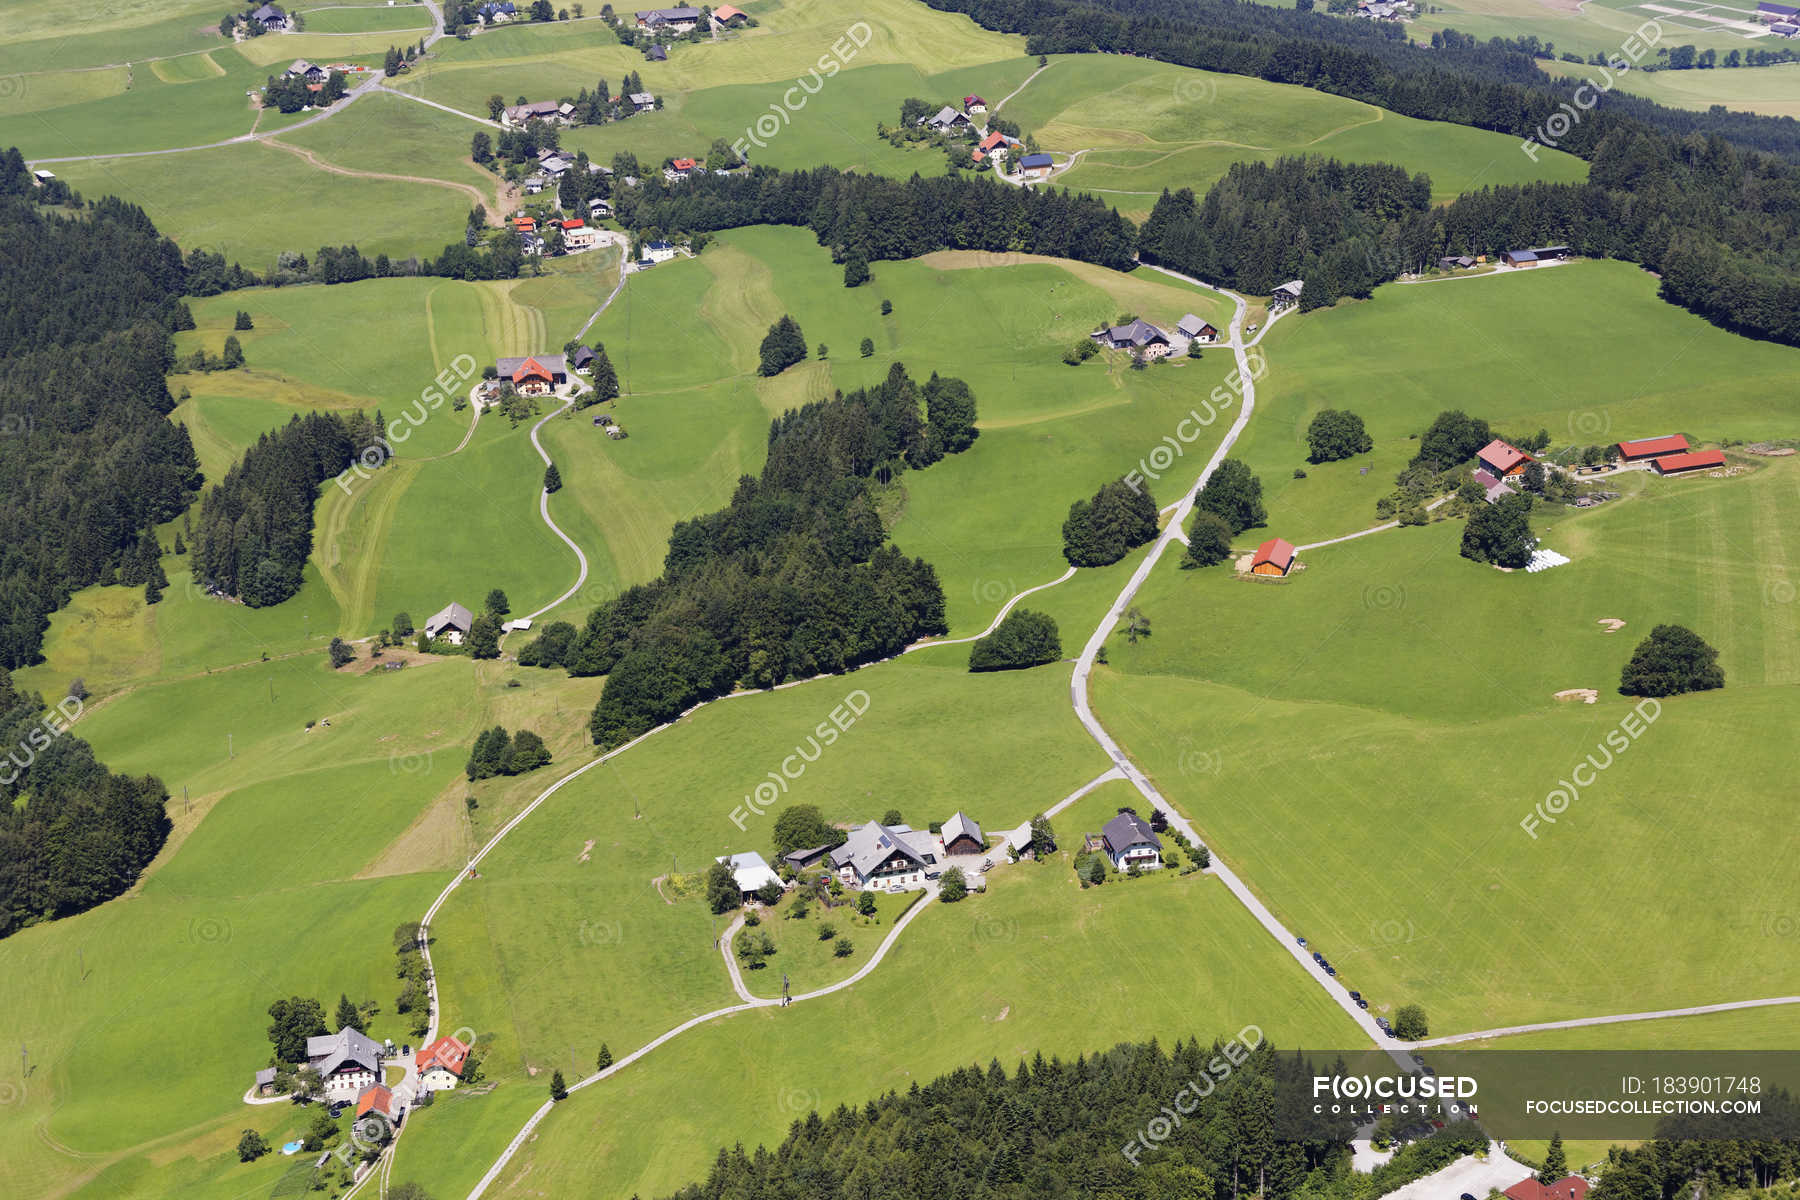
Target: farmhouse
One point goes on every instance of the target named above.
(599, 208)
(452, 624)
(1139, 337)
(1502, 459)
(974, 104)
(270, 18)
(1273, 557)
(346, 1061)
(962, 836)
(584, 360)
(1494, 489)
(440, 1064)
(301, 69)
(1288, 293)
(751, 870)
(1654, 447)
(497, 13)
(945, 120)
(1195, 330)
(642, 101)
(680, 20)
(994, 144)
(534, 376)
(1129, 841)
(681, 168)
(1036, 166)
(1569, 1187)
(1519, 258)
(516, 115)
(578, 235)
(891, 858)
(1695, 460)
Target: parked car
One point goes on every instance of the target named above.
(1331, 970)
(1389, 1029)
(1302, 942)
(1318, 958)
(1355, 995)
(1361, 1003)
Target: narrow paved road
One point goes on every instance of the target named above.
(1361, 533)
(998, 617)
(544, 512)
(1619, 1019)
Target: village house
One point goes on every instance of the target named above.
(974, 105)
(1140, 337)
(995, 145)
(642, 102)
(517, 115)
(377, 1100)
(962, 836)
(452, 624)
(578, 235)
(1503, 459)
(1654, 447)
(1285, 295)
(440, 1065)
(725, 14)
(1694, 460)
(347, 1062)
(675, 20)
(1129, 841)
(947, 120)
(681, 168)
(1195, 330)
(584, 360)
(1273, 557)
(1493, 488)
(751, 871)
(538, 375)
(655, 252)
(271, 18)
(885, 858)
(598, 208)
(301, 69)
(497, 13)
(1036, 166)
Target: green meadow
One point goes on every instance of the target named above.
(1598, 27)
(1772, 91)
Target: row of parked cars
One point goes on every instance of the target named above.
(1325, 965)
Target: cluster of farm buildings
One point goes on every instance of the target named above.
(990, 145)
(350, 1066)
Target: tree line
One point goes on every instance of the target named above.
(89, 461)
(255, 528)
(794, 578)
(72, 833)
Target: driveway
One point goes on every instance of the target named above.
(1468, 1174)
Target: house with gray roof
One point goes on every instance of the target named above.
(1139, 337)
(516, 115)
(270, 17)
(947, 120)
(452, 623)
(1129, 842)
(751, 871)
(265, 1082)
(642, 101)
(1195, 330)
(347, 1062)
(962, 836)
(1288, 293)
(885, 858)
(680, 20)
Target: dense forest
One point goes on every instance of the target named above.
(793, 578)
(72, 833)
(255, 527)
(1343, 228)
(88, 458)
(881, 218)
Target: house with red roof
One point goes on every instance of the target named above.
(1569, 1187)
(974, 104)
(441, 1064)
(681, 168)
(996, 144)
(1273, 557)
(578, 234)
(1696, 460)
(1654, 447)
(538, 375)
(376, 1098)
(725, 14)
(1503, 459)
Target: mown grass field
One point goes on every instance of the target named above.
(1600, 27)
(1392, 703)
(368, 18)
(1147, 126)
(1772, 91)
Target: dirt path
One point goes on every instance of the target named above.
(474, 193)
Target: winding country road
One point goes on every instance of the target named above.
(544, 512)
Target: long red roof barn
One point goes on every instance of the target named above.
(1502, 459)
(1275, 553)
(1653, 447)
(1698, 460)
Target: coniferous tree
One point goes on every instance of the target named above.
(1104, 529)
(1556, 1163)
(552, 479)
(784, 346)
